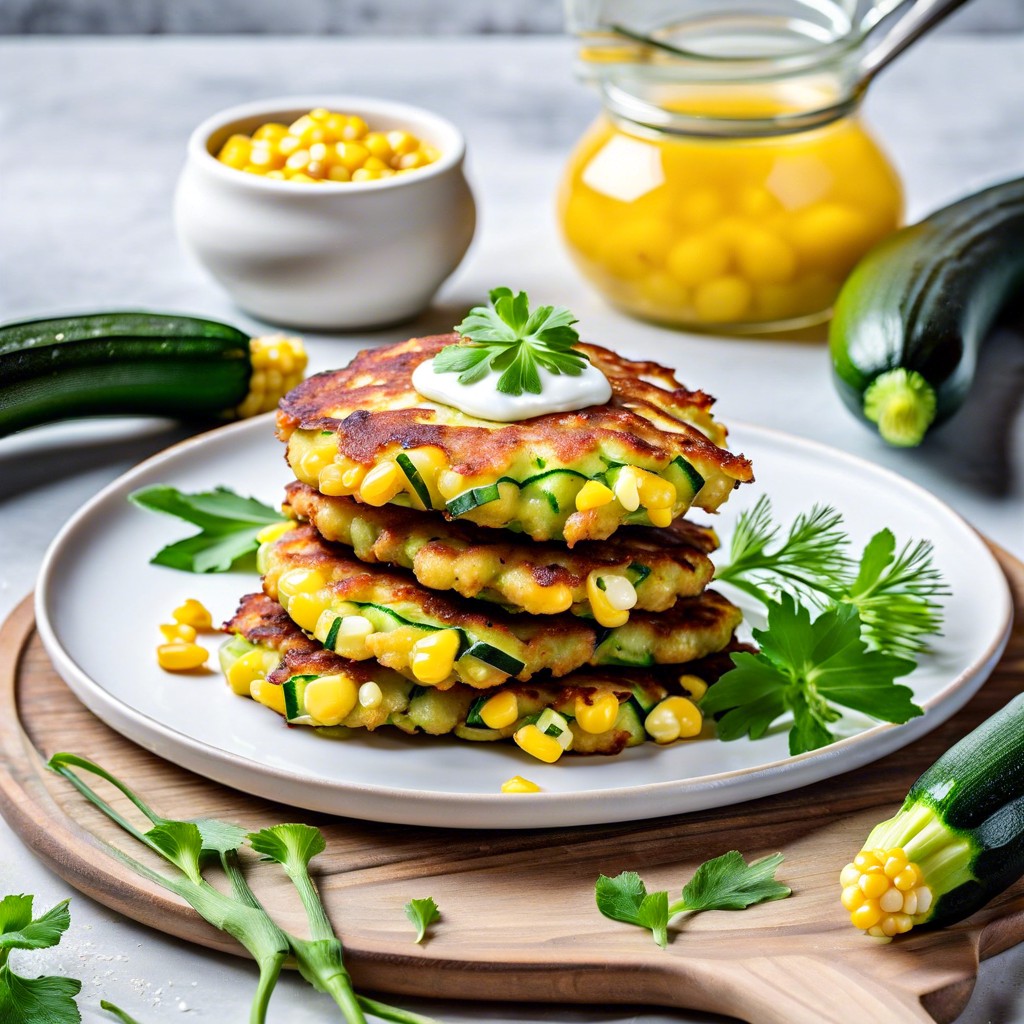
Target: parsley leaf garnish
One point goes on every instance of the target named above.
(507, 337)
(423, 913)
(48, 1000)
(723, 883)
(805, 667)
(895, 594)
(228, 526)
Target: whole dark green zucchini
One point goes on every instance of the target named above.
(136, 363)
(910, 319)
(957, 841)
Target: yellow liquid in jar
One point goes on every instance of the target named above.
(742, 233)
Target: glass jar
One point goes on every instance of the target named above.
(729, 185)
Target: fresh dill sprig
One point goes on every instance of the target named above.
(811, 562)
(895, 594)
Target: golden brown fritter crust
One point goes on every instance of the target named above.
(692, 628)
(373, 400)
(520, 575)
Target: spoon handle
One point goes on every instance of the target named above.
(922, 15)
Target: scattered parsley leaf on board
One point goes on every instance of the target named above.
(506, 336)
(423, 913)
(723, 883)
(806, 667)
(228, 526)
(48, 999)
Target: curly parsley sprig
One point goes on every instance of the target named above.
(507, 337)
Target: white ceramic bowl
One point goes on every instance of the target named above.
(332, 255)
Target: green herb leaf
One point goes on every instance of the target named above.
(730, 883)
(423, 913)
(228, 525)
(625, 898)
(48, 1000)
(895, 594)
(507, 337)
(724, 883)
(806, 667)
(18, 929)
(810, 562)
(289, 844)
(181, 843)
(117, 1012)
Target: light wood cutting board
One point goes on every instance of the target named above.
(519, 919)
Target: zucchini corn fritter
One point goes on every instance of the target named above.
(272, 660)
(642, 459)
(439, 640)
(539, 579)
(450, 575)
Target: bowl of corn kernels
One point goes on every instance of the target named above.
(326, 213)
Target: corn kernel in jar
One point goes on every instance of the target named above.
(746, 232)
(326, 145)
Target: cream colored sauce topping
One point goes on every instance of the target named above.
(559, 393)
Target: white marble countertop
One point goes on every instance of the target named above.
(92, 139)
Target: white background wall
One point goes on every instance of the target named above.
(350, 17)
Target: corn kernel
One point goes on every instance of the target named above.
(353, 477)
(626, 490)
(378, 145)
(551, 600)
(350, 641)
(852, 897)
(593, 494)
(181, 656)
(299, 581)
(866, 915)
(604, 611)
(500, 711)
(177, 632)
(906, 880)
(271, 695)
(270, 132)
(850, 875)
(235, 152)
(381, 484)
(661, 517)
(895, 862)
(537, 744)
(891, 900)
(356, 127)
(865, 859)
(402, 142)
(330, 699)
(874, 886)
(517, 784)
(352, 155)
(305, 609)
(250, 666)
(674, 718)
(924, 899)
(275, 531)
(193, 613)
(598, 717)
(654, 492)
(338, 172)
(433, 657)
(370, 696)
(694, 686)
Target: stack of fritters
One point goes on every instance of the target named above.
(449, 574)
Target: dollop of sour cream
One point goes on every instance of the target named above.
(558, 393)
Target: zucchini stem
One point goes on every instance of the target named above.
(902, 404)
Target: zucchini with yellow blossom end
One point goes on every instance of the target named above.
(957, 841)
(150, 364)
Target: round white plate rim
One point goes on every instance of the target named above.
(386, 804)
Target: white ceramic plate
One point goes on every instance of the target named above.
(99, 602)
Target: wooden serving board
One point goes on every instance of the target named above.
(519, 919)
